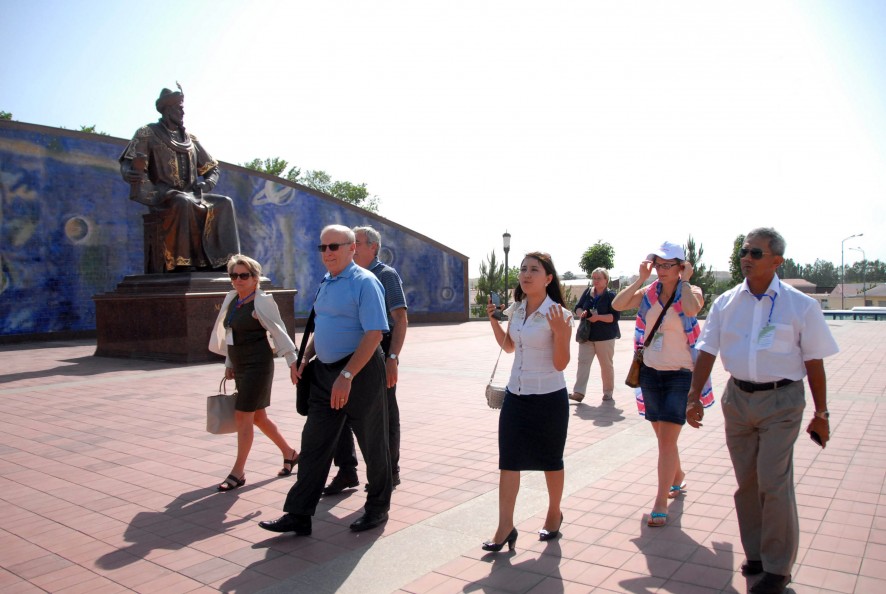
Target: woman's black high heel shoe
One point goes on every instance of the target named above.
(511, 540)
(544, 535)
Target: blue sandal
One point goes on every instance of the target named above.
(677, 490)
(657, 519)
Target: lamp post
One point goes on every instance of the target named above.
(864, 263)
(506, 241)
(843, 267)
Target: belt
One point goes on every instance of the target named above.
(754, 387)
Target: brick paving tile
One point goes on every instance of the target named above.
(107, 481)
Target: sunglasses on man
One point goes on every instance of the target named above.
(332, 247)
(756, 253)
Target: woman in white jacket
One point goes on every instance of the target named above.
(245, 319)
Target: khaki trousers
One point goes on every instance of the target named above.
(761, 429)
(604, 350)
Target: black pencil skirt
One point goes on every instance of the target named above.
(532, 431)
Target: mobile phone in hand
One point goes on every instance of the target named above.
(496, 301)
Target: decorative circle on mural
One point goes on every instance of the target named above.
(77, 229)
(447, 293)
(386, 255)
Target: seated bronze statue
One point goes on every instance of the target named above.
(170, 172)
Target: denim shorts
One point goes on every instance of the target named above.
(665, 394)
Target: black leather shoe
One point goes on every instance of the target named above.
(301, 525)
(771, 583)
(369, 521)
(751, 567)
(339, 483)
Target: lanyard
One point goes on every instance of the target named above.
(239, 304)
(771, 307)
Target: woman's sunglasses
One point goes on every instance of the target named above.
(240, 275)
(756, 253)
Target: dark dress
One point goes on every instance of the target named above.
(251, 357)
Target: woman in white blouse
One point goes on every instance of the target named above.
(535, 415)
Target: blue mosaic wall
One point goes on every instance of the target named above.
(68, 231)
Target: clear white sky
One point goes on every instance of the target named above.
(561, 122)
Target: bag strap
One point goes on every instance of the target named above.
(223, 386)
(660, 319)
(309, 329)
(492, 377)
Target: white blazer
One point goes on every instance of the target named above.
(268, 315)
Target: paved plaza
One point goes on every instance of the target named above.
(107, 484)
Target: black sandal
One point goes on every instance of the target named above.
(231, 483)
(291, 463)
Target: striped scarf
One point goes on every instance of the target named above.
(690, 326)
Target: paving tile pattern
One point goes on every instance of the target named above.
(107, 485)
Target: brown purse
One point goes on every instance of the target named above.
(633, 379)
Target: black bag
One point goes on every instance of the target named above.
(303, 387)
(583, 334)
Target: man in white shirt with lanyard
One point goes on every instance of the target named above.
(770, 336)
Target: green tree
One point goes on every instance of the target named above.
(5, 115)
(789, 269)
(271, 166)
(702, 276)
(569, 300)
(567, 275)
(355, 194)
(91, 130)
(491, 279)
(599, 255)
(735, 261)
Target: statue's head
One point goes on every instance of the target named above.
(169, 98)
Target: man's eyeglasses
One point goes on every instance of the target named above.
(240, 275)
(665, 266)
(756, 253)
(332, 247)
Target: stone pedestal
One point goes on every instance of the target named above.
(169, 317)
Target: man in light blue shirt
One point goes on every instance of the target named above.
(348, 385)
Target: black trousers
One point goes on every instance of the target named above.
(367, 413)
(346, 455)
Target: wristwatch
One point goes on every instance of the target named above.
(346, 374)
(822, 414)
(393, 356)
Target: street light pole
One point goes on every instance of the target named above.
(864, 263)
(506, 241)
(843, 268)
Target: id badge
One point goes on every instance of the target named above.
(657, 342)
(229, 337)
(765, 338)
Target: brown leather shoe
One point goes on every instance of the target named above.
(771, 583)
(576, 396)
(751, 567)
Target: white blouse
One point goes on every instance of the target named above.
(533, 371)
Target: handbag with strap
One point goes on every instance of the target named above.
(495, 393)
(633, 378)
(220, 411)
(303, 387)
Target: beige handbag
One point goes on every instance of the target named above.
(220, 411)
(495, 393)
